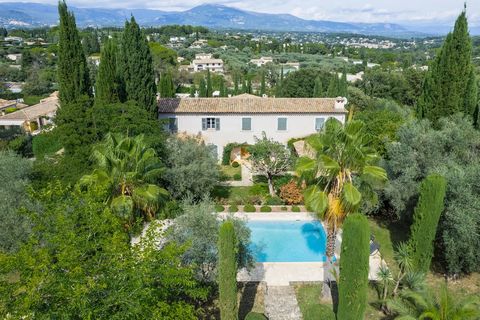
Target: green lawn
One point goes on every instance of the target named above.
(308, 297)
(240, 195)
(228, 172)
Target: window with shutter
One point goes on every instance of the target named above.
(210, 124)
(246, 124)
(282, 124)
(319, 122)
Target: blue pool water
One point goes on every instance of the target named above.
(288, 241)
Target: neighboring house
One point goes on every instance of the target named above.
(241, 118)
(262, 61)
(32, 119)
(199, 44)
(205, 62)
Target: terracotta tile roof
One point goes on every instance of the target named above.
(45, 107)
(249, 104)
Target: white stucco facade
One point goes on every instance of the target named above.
(230, 130)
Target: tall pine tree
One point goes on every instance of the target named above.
(107, 83)
(73, 75)
(263, 85)
(137, 68)
(450, 85)
(202, 90)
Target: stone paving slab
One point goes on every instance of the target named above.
(281, 303)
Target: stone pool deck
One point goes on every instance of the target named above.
(286, 273)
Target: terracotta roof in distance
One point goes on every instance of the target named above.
(247, 103)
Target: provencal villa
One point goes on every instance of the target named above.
(240, 119)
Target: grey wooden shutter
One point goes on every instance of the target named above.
(217, 124)
(204, 124)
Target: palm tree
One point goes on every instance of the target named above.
(127, 168)
(384, 276)
(412, 305)
(342, 174)
(405, 264)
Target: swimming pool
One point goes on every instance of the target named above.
(288, 241)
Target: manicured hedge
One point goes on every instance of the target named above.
(235, 164)
(265, 209)
(233, 208)
(249, 208)
(227, 272)
(425, 221)
(219, 208)
(296, 209)
(354, 258)
(237, 177)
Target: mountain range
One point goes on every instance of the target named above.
(24, 14)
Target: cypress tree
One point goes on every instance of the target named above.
(333, 87)
(249, 86)
(193, 90)
(107, 84)
(235, 85)
(72, 72)
(137, 68)
(343, 87)
(263, 85)
(222, 89)
(354, 266)
(450, 84)
(209, 84)
(425, 221)
(318, 89)
(167, 87)
(202, 88)
(227, 272)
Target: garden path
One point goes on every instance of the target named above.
(281, 303)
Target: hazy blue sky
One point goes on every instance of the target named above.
(418, 11)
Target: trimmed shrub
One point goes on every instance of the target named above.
(291, 193)
(265, 209)
(219, 208)
(10, 110)
(255, 316)
(249, 208)
(237, 177)
(296, 209)
(233, 208)
(227, 272)
(353, 280)
(284, 208)
(425, 221)
(235, 164)
(273, 201)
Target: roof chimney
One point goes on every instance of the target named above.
(340, 102)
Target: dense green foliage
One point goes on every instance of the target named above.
(128, 169)
(136, 68)
(227, 272)
(191, 168)
(198, 228)
(45, 144)
(450, 85)
(107, 85)
(73, 75)
(79, 264)
(453, 152)
(166, 86)
(301, 84)
(14, 222)
(425, 304)
(354, 266)
(425, 221)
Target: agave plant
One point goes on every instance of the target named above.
(412, 305)
(342, 174)
(127, 168)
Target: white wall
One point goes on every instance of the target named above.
(298, 126)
